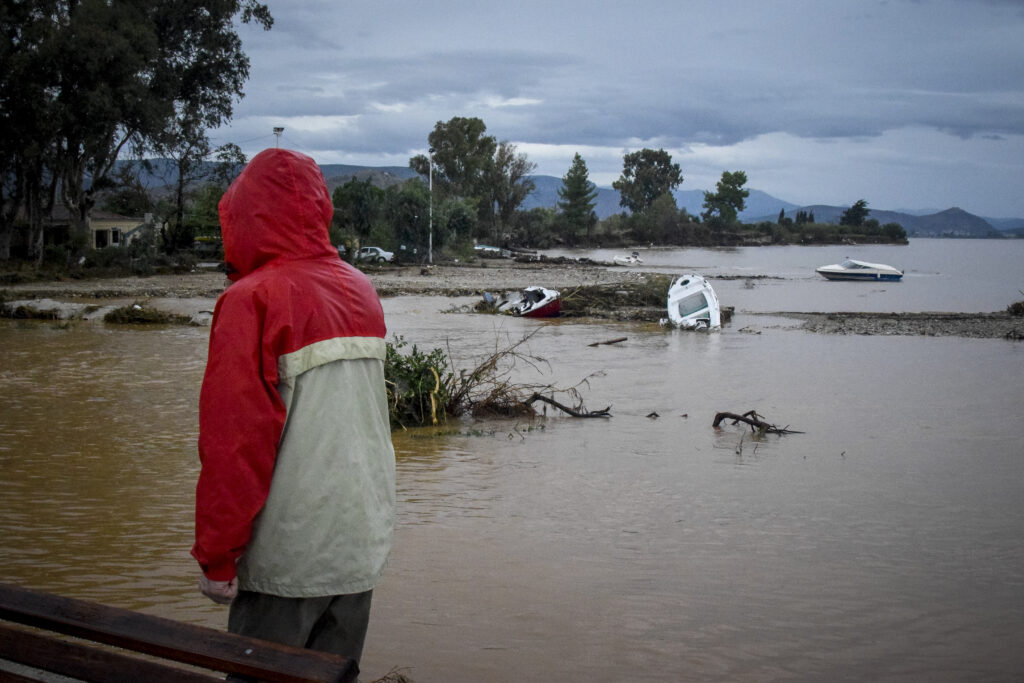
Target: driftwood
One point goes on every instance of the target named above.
(610, 341)
(566, 409)
(757, 424)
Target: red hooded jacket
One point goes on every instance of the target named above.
(291, 290)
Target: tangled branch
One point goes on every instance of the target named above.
(757, 424)
(575, 412)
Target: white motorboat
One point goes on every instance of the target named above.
(631, 260)
(851, 269)
(693, 304)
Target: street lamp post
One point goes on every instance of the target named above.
(430, 188)
(277, 135)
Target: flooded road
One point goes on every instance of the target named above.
(883, 543)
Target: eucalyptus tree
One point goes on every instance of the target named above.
(646, 175)
(510, 181)
(467, 164)
(104, 74)
(462, 156)
(729, 198)
(28, 119)
(199, 185)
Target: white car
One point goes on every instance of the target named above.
(374, 254)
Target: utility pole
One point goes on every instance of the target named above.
(430, 188)
(277, 135)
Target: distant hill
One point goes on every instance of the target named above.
(953, 222)
(1012, 227)
(760, 206)
(336, 175)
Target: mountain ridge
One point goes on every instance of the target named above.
(760, 206)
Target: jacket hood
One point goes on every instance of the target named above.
(278, 208)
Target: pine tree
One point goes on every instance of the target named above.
(578, 195)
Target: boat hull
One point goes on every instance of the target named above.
(852, 269)
(872, 277)
(548, 310)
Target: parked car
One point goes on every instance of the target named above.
(374, 254)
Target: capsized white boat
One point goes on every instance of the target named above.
(532, 302)
(851, 269)
(693, 304)
(631, 260)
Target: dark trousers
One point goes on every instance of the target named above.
(334, 623)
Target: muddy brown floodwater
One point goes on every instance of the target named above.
(882, 543)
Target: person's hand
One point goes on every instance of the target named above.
(221, 592)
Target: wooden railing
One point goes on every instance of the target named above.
(145, 648)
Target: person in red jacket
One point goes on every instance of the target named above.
(295, 502)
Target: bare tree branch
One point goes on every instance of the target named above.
(757, 424)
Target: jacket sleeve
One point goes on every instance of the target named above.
(241, 417)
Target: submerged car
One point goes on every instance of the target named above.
(374, 255)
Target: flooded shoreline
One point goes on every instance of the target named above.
(194, 295)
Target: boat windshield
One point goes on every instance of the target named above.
(694, 303)
(850, 263)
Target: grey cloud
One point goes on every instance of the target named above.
(695, 72)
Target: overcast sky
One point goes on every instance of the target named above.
(909, 104)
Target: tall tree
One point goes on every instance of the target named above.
(462, 157)
(856, 214)
(203, 216)
(577, 196)
(359, 205)
(108, 73)
(729, 198)
(646, 175)
(186, 145)
(28, 117)
(131, 197)
(510, 181)
(407, 209)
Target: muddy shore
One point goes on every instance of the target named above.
(193, 294)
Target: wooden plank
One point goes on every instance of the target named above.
(86, 662)
(185, 643)
(14, 677)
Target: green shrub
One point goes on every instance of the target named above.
(417, 385)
